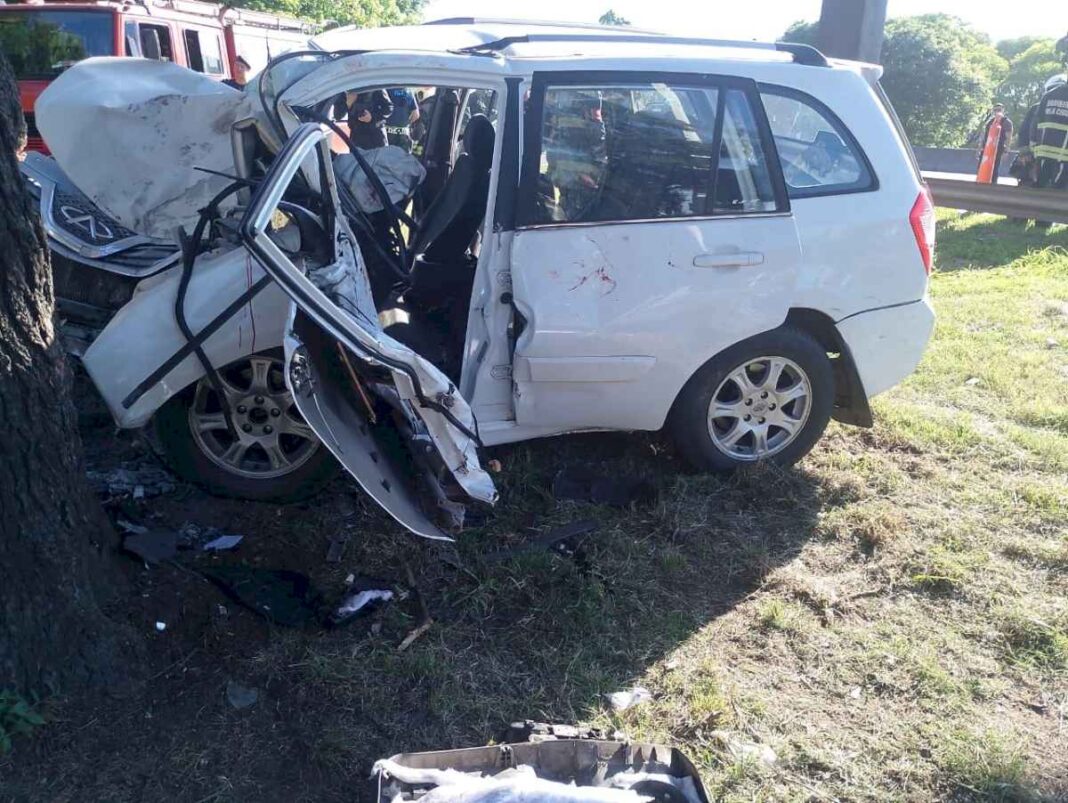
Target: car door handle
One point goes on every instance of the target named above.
(740, 259)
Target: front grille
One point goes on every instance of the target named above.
(75, 213)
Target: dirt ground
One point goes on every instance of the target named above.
(890, 618)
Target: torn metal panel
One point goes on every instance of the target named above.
(153, 124)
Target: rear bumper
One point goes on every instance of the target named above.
(887, 343)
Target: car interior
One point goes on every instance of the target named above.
(421, 251)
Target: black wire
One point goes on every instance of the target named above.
(190, 249)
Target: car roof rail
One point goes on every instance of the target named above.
(591, 26)
(802, 54)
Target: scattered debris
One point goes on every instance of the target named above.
(240, 696)
(206, 539)
(336, 551)
(161, 626)
(564, 540)
(130, 527)
(494, 467)
(742, 750)
(152, 546)
(282, 596)
(222, 543)
(1051, 343)
(972, 381)
(585, 484)
(141, 479)
(415, 634)
(365, 595)
(622, 700)
(427, 622)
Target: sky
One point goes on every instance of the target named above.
(761, 19)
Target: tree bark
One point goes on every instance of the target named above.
(54, 537)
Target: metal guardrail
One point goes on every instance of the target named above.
(1000, 199)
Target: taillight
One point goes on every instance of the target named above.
(922, 218)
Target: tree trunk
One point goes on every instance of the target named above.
(53, 533)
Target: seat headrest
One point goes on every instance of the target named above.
(478, 140)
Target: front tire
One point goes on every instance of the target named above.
(768, 398)
(272, 455)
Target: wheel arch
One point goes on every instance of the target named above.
(850, 402)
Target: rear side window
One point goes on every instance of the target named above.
(648, 151)
(819, 156)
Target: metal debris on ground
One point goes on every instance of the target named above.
(622, 700)
(161, 626)
(515, 783)
(240, 696)
(141, 479)
(587, 484)
(573, 769)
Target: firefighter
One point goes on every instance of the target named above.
(1024, 168)
(1051, 134)
(995, 138)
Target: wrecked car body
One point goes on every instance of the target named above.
(588, 238)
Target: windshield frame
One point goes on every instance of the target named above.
(26, 11)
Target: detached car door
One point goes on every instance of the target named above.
(654, 232)
(389, 416)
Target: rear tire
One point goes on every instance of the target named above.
(285, 463)
(768, 398)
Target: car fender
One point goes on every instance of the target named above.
(141, 359)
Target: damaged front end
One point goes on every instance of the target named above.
(395, 421)
(273, 262)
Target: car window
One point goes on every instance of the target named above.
(156, 42)
(818, 155)
(192, 50)
(648, 151)
(211, 52)
(633, 152)
(743, 179)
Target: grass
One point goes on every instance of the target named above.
(18, 718)
(889, 618)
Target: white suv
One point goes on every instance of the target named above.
(602, 230)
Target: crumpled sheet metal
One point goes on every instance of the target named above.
(130, 133)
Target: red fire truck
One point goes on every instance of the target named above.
(41, 39)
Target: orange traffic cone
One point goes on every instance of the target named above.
(989, 159)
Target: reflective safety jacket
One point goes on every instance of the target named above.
(1051, 125)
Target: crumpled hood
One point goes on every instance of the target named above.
(130, 133)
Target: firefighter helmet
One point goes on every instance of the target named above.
(1055, 81)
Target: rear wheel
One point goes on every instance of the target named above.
(271, 454)
(768, 398)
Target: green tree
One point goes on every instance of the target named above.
(361, 13)
(941, 75)
(803, 33)
(939, 72)
(1009, 49)
(610, 17)
(1028, 71)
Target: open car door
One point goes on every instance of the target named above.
(389, 416)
